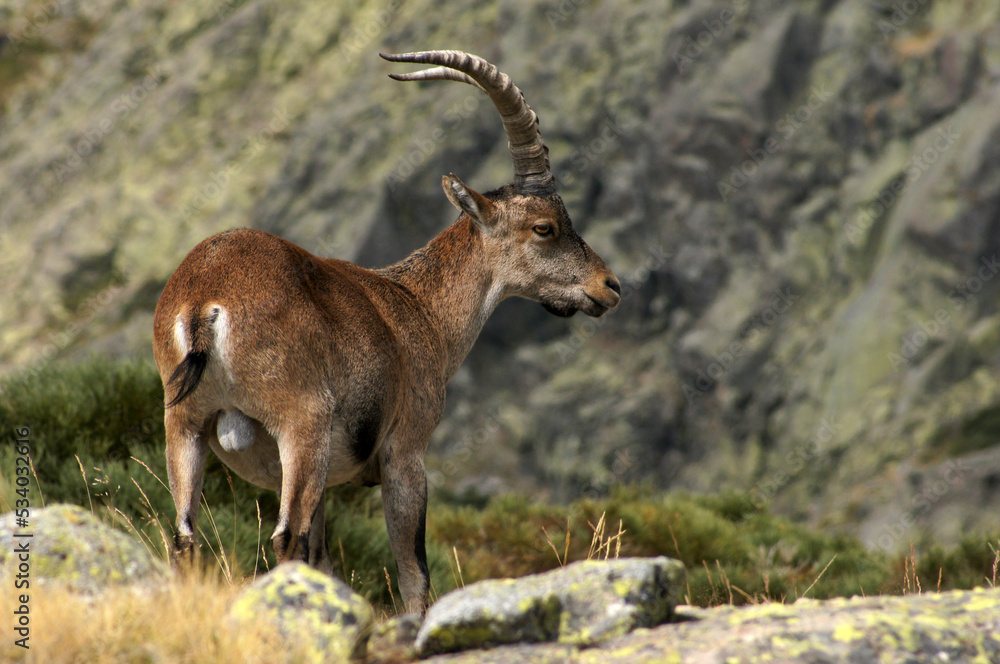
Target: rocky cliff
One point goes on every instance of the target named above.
(801, 198)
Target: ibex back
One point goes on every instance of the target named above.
(302, 372)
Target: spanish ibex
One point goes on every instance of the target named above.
(303, 372)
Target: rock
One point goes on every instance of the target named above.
(394, 640)
(580, 604)
(957, 627)
(319, 615)
(69, 546)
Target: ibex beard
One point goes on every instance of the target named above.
(301, 372)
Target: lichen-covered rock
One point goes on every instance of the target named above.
(318, 614)
(957, 627)
(581, 604)
(394, 640)
(69, 546)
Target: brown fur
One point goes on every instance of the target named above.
(322, 372)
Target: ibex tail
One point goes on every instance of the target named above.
(199, 337)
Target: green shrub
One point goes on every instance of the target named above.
(734, 552)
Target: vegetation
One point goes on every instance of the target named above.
(182, 621)
(97, 441)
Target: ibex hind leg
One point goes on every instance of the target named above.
(319, 550)
(304, 466)
(186, 454)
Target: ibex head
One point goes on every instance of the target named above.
(526, 231)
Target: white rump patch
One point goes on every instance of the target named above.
(221, 332)
(235, 431)
(180, 335)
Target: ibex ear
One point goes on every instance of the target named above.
(469, 201)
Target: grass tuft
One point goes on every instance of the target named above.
(184, 620)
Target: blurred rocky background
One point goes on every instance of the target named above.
(802, 201)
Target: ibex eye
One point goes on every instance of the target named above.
(542, 229)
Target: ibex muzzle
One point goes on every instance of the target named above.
(303, 372)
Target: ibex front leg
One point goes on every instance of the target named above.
(404, 499)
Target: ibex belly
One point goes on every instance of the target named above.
(251, 452)
(245, 446)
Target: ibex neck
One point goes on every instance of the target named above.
(452, 277)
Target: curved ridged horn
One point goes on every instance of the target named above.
(532, 174)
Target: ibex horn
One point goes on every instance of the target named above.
(532, 174)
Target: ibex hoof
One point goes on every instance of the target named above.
(184, 551)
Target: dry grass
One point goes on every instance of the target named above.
(992, 580)
(184, 620)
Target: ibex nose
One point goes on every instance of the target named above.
(613, 284)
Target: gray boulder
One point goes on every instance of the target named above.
(958, 627)
(393, 641)
(320, 617)
(581, 604)
(69, 546)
